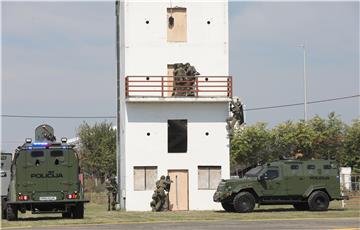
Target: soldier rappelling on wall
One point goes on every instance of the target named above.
(160, 197)
(237, 118)
(184, 79)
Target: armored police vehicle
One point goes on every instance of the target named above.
(5, 178)
(305, 184)
(45, 178)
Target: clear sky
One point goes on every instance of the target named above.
(58, 59)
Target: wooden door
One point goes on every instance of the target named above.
(179, 190)
(170, 79)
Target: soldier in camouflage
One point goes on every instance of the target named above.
(237, 117)
(111, 187)
(160, 196)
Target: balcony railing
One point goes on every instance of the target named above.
(173, 86)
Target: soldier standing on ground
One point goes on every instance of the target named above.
(111, 187)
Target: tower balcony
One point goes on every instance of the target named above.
(177, 88)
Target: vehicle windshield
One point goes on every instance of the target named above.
(254, 172)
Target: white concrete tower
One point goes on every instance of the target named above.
(184, 137)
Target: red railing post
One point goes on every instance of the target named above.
(162, 86)
(229, 86)
(197, 86)
(127, 86)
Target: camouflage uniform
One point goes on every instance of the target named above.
(160, 197)
(190, 73)
(111, 187)
(179, 75)
(238, 116)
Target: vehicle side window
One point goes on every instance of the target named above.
(56, 153)
(294, 167)
(37, 153)
(327, 166)
(311, 167)
(271, 174)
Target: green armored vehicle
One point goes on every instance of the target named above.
(305, 184)
(45, 178)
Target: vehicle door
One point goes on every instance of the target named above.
(296, 183)
(270, 182)
(31, 172)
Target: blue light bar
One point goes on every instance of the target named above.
(40, 144)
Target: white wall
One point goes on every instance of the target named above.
(146, 48)
(145, 51)
(143, 150)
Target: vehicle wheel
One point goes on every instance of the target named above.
(301, 206)
(244, 202)
(78, 211)
(66, 214)
(227, 206)
(318, 201)
(11, 212)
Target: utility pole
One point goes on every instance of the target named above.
(118, 103)
(304, 76)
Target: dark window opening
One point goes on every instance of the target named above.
(147, 78)
(37, 162)
(177, 136)
(294, 167)
(148, 134)
(56, 162)
(311, 167)
(147, 22)
(56, 153)
(271, 174)
(37, 153)
(207, 133)
(208, 22)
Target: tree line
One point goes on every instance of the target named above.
(316, 138)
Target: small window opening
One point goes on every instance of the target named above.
(147, 22)
(37, 163)
(37, 153)
(56, 162)
(147, 78)
(327, 166)
(206, 79)
(56, 153)
(148, 134)
(294, 167)
(177, 24)
(207, 133)
(208, 22)
(311, 167)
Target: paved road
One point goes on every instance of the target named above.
(338, 223)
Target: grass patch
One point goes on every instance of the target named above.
(98, 214)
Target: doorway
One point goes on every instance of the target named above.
(179, 190)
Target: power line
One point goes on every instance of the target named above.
(297, 104)
(58, 117)
(113, 117)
